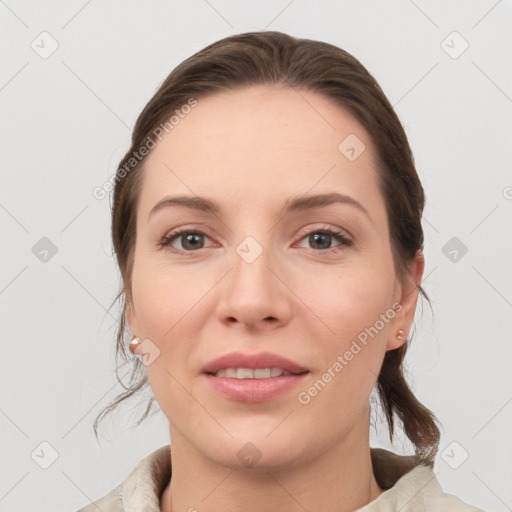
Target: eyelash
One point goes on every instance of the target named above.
(166, 242)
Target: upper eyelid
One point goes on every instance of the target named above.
(303, 232)
(326, 227)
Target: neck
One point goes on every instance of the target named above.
(340, 479)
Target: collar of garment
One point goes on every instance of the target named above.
(410, 486)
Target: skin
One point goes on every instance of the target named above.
(250, 150)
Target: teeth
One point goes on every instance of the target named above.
(260, 374)
(249, 373)
(244, 373)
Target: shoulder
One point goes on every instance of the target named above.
(141, 489)
(410, 485)
(111, 502)
(419, 489)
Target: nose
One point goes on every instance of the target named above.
(254, 294)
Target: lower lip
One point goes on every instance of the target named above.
(254, 390)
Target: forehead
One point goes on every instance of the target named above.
(262, 142)
(265, 117)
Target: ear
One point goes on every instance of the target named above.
(407, 294)
(131, 315)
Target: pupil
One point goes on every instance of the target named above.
(326, 237)
(189, 239)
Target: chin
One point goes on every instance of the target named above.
(256, 450)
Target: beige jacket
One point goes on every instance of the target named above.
(410, 487)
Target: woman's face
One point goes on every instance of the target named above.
(261, 275)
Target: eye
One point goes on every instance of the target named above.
(322, 239)
(190, 240)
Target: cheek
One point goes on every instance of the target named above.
(172, 307)
(355, 309)
(340, 388)
(349, 300)
(162, 297)
(167, 304)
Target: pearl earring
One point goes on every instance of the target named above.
(134, 344)
(399, 334)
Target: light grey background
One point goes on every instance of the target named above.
(66, 121)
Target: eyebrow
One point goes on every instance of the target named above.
(294, 204)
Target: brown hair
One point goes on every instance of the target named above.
(277, 58)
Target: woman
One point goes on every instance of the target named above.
(267, 224)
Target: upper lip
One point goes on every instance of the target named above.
(253, 361)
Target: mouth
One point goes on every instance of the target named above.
(253, 377)
(250, 373)
(238, 365)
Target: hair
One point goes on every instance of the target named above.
(276, 58)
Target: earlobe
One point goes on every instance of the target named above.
(397, 340)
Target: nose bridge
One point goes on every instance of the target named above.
(251, 275)
(252, 292)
